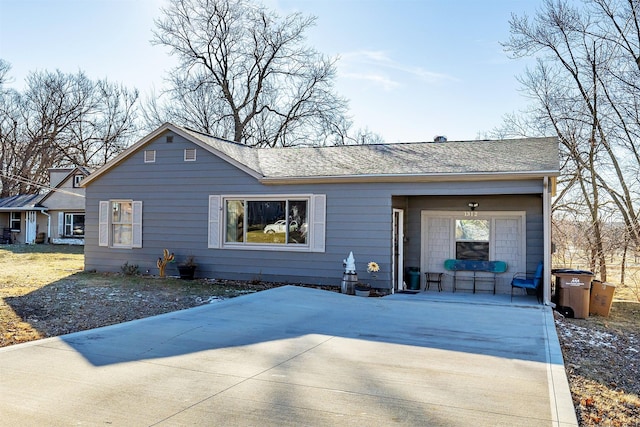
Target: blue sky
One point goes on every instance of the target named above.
(411, 69)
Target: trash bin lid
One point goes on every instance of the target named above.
(570, 271)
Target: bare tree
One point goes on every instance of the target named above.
(245, 74)
(60, 120)
(585, 88)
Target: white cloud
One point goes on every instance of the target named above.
(378, 67)
(377, 79)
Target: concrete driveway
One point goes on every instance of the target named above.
(298, 356)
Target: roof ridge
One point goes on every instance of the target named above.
(214, 137)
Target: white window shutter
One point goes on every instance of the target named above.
(137, 224)
(318, 222)
(103, 224)
(60, 224)
(215, 210)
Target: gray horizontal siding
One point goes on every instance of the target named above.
(175, 213)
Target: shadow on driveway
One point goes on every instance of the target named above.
(288, 312)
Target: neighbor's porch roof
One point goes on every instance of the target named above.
(22, 202)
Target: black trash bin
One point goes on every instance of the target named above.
(412, 275)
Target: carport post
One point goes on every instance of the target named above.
(546, 230)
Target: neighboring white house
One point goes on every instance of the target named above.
(56, 216)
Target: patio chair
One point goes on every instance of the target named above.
(6, 236)
(526, 281)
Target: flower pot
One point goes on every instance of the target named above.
(187, 271)
(362, 292)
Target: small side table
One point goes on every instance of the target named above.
(434, 278)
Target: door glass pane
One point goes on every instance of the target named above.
(472, 239)
(266, 222)
(472, 229)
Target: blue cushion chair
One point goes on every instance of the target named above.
(526, 281)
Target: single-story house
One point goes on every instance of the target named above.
(294, 214)
(55, 216)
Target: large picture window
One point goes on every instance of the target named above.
(472, 239)
(271, 222)
(277, 222)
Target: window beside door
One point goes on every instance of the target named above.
(15, 221)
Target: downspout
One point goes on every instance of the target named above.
(546, 230)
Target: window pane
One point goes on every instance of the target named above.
(477, 251)
(298, 224)
(472, 239)
(121, 213)
(472, 229)
(122, 223)
(266, 222)
(122, 235)
(67, 224)
(235, 221)
(77, 224)
(15, 220)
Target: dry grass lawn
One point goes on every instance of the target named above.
(45, 292)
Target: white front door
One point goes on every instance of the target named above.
(398, 250)
(30, 228)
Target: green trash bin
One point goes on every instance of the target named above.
(413, 278)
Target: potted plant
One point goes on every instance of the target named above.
(362, 290)
(187, 268)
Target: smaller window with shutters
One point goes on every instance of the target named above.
(149, 156)
(120, 224)
(189, 154)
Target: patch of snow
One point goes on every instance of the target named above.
(582, 335)
(209, 300)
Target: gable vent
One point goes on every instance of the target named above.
(189, 154)
(169, 139)
(150, 156)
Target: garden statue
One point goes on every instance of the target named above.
(349, 264)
